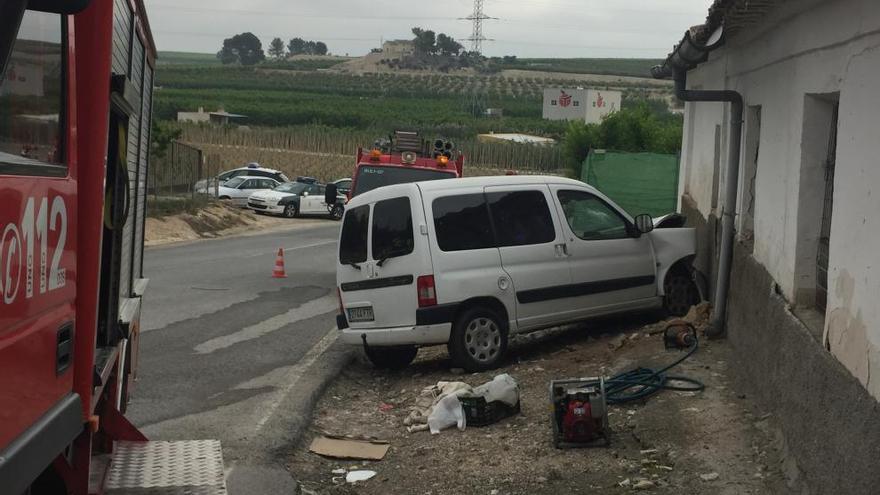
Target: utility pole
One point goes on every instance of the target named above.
(477, 17)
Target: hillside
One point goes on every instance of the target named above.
(271, 96)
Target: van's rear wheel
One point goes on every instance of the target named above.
(393, 358)
(478, 341)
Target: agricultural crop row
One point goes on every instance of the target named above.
(373, 84)
(441, 104)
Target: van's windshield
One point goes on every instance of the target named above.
(370, 177)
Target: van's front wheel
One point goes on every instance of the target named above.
(478, 340)
(393, 358)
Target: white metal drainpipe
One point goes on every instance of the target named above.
(728, 212)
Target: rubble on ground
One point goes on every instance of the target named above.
(662, 445)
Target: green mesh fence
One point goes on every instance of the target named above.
(638, 182)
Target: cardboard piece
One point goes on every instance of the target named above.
(343, 448)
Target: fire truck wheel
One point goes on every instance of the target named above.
(392, 358)
(291, 210)
(478, 341)
(336, 212)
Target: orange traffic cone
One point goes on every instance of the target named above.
(278, 271)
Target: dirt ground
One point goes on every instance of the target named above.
(217, 220)
(716, 441)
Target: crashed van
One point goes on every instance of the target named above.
(470, 262)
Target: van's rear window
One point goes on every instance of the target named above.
(392, 229)
(353, 241)
(462, 222)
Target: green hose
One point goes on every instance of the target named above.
(640, 383)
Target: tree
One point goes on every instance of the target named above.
(276, 48)
(310, 48)
(425, 41)
(244, 48)
(320, 48)
(447, 45)
(296, 46)
(162, 135)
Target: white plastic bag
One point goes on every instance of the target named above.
(502, 388)
(446, 413)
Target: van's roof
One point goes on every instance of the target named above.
(452, 184)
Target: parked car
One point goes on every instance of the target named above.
(469, 262)
(251, 170)
(293, 199)
(343, 186)
(238, 189)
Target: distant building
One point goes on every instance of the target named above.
(514, 138)
(494, 112)
(220, 117)
(398, 48)
(587, 105)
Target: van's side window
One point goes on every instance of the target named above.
(462, 222)
(590, 218)
(521, 218)
(353, 241)
(392, 229)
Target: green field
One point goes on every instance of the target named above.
(187, 58)
(640, 67)
(439, 102)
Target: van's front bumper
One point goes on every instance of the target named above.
(414, 335)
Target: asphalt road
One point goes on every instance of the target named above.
(228, 352)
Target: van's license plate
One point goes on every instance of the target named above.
(360, 314)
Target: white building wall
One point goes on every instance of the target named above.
(807, 49)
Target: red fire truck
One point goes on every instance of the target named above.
(75, 106)
(406, 157)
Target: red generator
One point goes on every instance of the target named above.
(579, 413)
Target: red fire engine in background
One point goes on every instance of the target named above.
(75, 107)
(405, 157)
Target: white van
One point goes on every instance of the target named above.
(468, 262)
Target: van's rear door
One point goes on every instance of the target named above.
(379, 291)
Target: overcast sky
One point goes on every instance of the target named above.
(526, 28)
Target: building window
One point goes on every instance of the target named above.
(32, 99)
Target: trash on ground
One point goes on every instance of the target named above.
(446, 413)
(491, 402)
(709, 476)
(345, 448)
(355, 476)
(441, 406)
(385, 407)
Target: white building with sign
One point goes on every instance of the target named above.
(588, 105)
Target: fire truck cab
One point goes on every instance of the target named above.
(75, 108)
(405, 157)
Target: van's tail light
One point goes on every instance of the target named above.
(339, 298)
(427, 293)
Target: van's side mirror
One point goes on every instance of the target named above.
(330, 194)
(644, 223)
